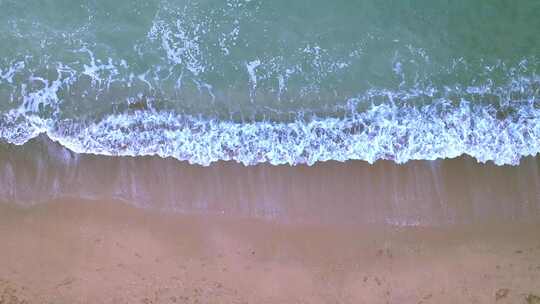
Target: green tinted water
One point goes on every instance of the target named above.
(74, 63)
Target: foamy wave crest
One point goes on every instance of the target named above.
(386, 131)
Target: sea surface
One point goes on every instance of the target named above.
(278, 82)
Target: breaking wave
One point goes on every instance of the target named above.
(400, 132)
(260, 82)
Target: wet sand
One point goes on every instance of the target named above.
(74, 251)
(418, 193)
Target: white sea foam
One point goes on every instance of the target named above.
(385, 131)
(251, 70)
(181, 43)
(400, 125)
(10, 71)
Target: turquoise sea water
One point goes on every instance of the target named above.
(274, 81)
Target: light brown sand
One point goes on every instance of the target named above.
(107, 252)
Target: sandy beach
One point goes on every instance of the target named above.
(77, 228)
(269, 152)
(74, 251)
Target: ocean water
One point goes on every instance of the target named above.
(279, 82)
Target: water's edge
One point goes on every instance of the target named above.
(419, 193)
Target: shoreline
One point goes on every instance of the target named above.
(418, 193)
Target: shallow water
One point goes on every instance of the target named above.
(455, 192)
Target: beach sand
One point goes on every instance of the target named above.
(74, 251)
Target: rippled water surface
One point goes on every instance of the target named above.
(274, 81)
